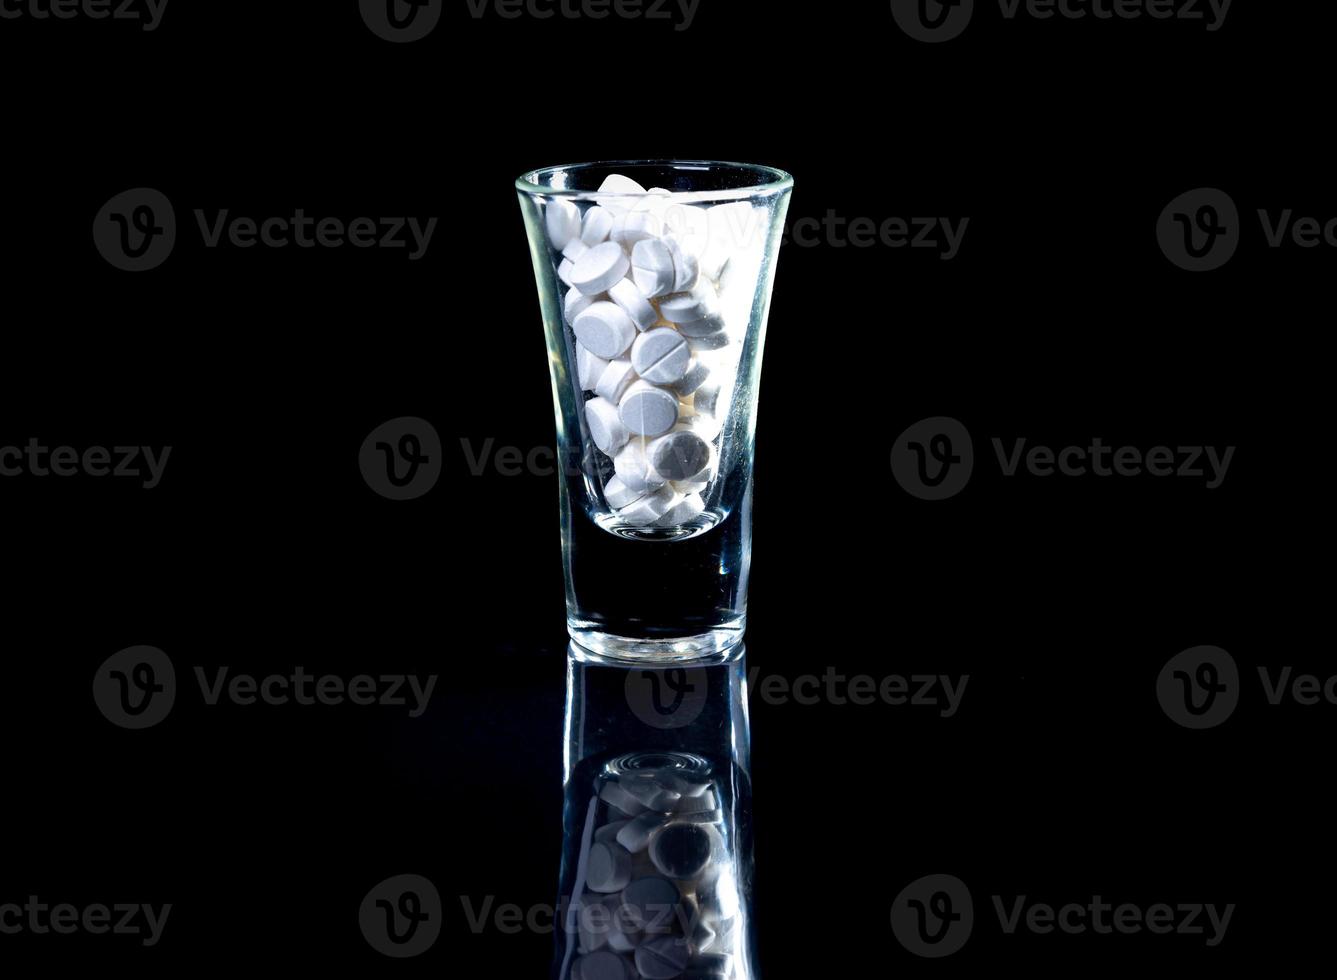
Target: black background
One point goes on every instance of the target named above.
(1060, 778)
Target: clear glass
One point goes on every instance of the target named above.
(657, 867)
(660, 570)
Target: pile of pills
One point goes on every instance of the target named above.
(653, 898)
(643, 303)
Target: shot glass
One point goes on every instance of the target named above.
(654, 280)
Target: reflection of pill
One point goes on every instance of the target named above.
(575, 249)
(652, 903)
(606, 428)
(687, 307)
(609, 830)
(596, 226)
(598, 269)
(714, 341)
(703, 328)
(697, 803)
(710, 966)
(602, 965)
(623, 933)
(563, 221)
(619, 188)
(615, 379)
(651, 792)
(686, 267)
(589, 366)
(649, 509)
(614, 795)
(647, 410)
(685, 508)
(592, 924)
(707, 399)
(663, 958)
(681, 850)
(635, 836)
(661, 355)
(633, 227)
(604, 329)
(607, 867)
(626, 295)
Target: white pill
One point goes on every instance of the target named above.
(635, 836)
(617, 184)
(604, 329)
(566, 272)
(606, 428)
(706, 401)
(648, 510)
(634, 470)
(615, 380)
(597, 225)
(652, 267)
(686, 266)
(684, 508)
(689, 307)
(563, 219)
(577, 303)
(697, 804)
(635, 226)
(705, 426)
(589, 367)
(575, 249)
(693, 378)
(633, 302)
(679, 455)
(648, 410)
(619, 495)
(710, 342)
(599, 268)
(607, 868)
(701, 481)
(650, 792)
(701, 329)
(661, 355)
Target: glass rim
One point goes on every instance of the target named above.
(770, 180)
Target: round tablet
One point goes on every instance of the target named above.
(693, 378)
(604, 330)
(663, 958)
(592, 924)
(618, 495)
(626, 295)
(611, 793)
(706, 401)
(649, 509)
(602, 965)
(633, 227)
(563, 220)
(589, 366)
(607, 868)
(681, 850)
(637, 833)
(651, 902)
(598, 269)
(707, 326)
(615, 379)
(652, 267)
(684, 508)
(661, 355)
(577, 303)
(686, 266)
(714, 341)
(687, 307)
(575, 249)
(679, 455)
(636, 473)
(606, 428)
(608, 831)
(596, 226)
(619, 187)
(647, 410)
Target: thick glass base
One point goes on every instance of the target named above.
(594, 644)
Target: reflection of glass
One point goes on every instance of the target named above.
(656, 513)
(657, 862)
